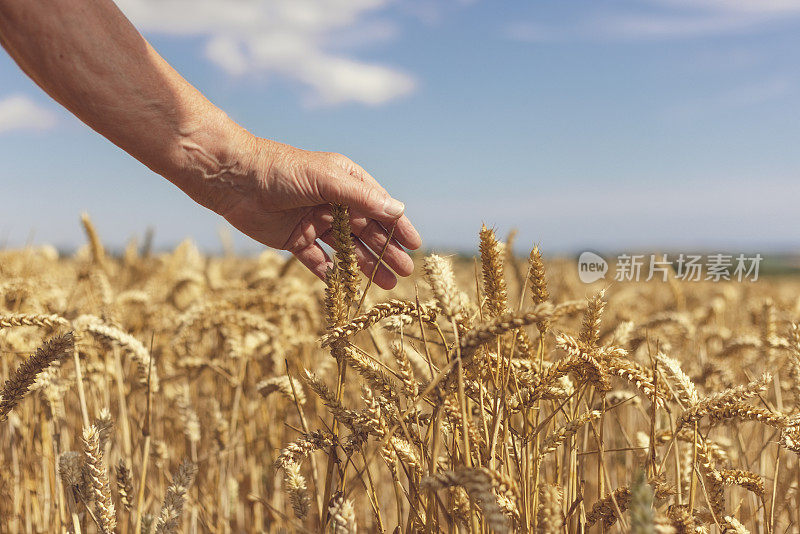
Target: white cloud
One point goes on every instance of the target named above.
(298, 39)
(668, 26)
(228, 54)
(741, 6)
(431, 12)
(660, 19)
(743, 96)
(756, 93)
(18, 112)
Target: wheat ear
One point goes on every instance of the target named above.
(25, 375)
(105, 513)
(171, 510)
(124, 485)
(538, 283)
(345, 252)
(551, 516)
(297, 489)
(98, 252)
(29, 319)
(590, 330)
(439, 272)
(492, 264)
(343, 515)
(376, 314)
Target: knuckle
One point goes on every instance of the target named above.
(340, 160)
(372, 196)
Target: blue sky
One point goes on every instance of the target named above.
(661, 124)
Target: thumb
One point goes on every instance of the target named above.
(369, 200)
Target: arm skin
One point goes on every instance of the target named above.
(89, 57)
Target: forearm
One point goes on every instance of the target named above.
(90, 58)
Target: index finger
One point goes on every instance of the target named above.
(404, 231)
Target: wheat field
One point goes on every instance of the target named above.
(178, 392)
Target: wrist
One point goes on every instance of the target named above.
(212, 158)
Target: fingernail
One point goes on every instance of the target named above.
(393, 208)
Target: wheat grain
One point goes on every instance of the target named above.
(551, 518)
(345, 252)
(558, 436)
(478, 485)
(124, 485)
(24, 376)
(297, 490)
(452, 301)
(286, 386)
(492, 264)
(375, 315)
(105, 512)
(169, 519)
(343, 517)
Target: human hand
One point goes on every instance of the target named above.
(280, 196)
